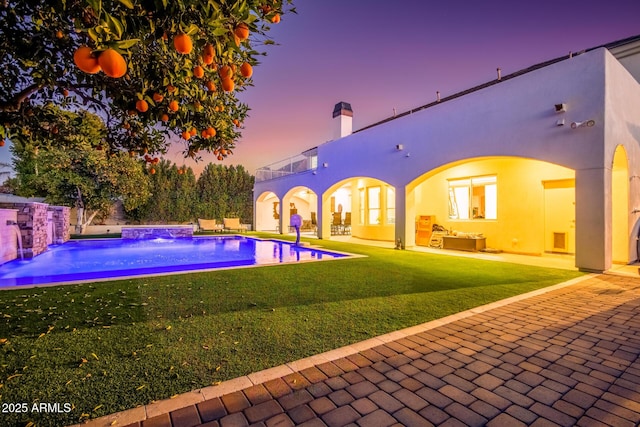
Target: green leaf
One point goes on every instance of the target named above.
(127, 3)
(93, 34)
(127, 44)
(193, 29)
(96, 5)
(220, 31)
(115, 25)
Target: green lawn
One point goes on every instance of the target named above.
(106, 347)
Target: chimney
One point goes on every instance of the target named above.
(344, 114)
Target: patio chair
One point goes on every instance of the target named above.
(233, 224)
(209, 225)
(347, 223)
(336, 224)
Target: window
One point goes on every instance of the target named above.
(373, 204)
(391, 205)
(473, 198)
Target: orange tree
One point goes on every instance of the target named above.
(149, 68)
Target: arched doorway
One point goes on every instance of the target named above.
(304, 202)
(507, 200)
(267, 217)
(362, 207)
(621, 238)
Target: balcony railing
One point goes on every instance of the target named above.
(290, 166)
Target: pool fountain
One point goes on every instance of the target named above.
(13, 225)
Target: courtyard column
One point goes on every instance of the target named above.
(324, 219)
(593, 219)
(401, 218)
(281, 211)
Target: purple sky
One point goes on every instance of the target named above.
(380, 55)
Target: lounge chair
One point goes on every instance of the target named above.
(208, 225)
(233, 224)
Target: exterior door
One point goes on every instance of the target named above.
(560, 216)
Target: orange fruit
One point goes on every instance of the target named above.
(142, 105)
(246, 69)
(85, 60)
(183, 43)
(207, 59)
(164, 117)
(158, 97)
(211, 86)
(173, 105)
(193, 131)
(198, 72)
(236, 122)
(241, 31)
(171, 88)
(180, 171)
(211, 132)
(152, 171)
(1, 142)
(225, 72)
(208, 50)
(276, 18)
(65, 92)
(59, 34)
(186, 135)
(220, 157)
(228, 85)
(112, 63)
(126, 125)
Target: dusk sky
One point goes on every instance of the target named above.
(380, 55)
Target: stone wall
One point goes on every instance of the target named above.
(61, 217)
(160, 231)
(32, 220)
(8, 240)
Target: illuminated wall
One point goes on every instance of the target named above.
(520, 223)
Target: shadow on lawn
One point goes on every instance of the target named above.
(383, 273)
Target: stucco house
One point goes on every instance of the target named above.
(544, 160)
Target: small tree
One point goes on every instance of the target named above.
(80, 173)
(225, 191)
(173, 195)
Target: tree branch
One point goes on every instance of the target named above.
(13, 105)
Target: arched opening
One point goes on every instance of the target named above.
(267, 212)
(621, 238)
(304, 202)
(362, 207)
(518, 205)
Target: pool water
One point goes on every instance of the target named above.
(100, 259)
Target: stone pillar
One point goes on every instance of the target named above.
(61, 224)
(8, 238)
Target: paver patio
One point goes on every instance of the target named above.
(561, 357)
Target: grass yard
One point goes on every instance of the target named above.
(111, 346)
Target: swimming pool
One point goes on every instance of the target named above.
(103, 259)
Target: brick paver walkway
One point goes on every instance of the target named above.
(568, 357)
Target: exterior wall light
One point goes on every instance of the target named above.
(325, 165)
(586, 123)
(561, 108)
(399, 147)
